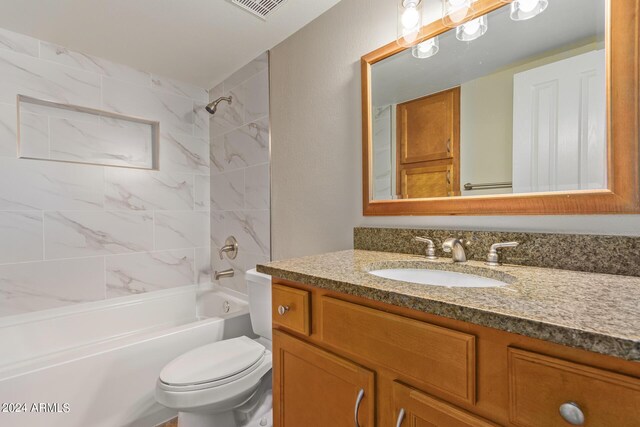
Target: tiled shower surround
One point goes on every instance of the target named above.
(71, 233)
(240, 190)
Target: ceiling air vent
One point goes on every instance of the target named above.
(260, 8)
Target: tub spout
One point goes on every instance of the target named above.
(224, 273)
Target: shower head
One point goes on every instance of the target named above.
(213, 106)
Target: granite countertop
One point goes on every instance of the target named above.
(595, 312)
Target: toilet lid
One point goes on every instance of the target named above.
(213, 362)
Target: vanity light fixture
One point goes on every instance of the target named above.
(409, 21)
(473, 29)
(426, 49)
(456, 11)
(521, 10)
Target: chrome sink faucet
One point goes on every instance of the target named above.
(430, 252)
(456, 247)
(492, 258)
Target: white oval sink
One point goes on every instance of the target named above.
(450, 279)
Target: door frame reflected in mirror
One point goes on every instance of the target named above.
(623, 118)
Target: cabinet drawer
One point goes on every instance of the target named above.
(413, 408)
(429, 355)
(290, 309)
(539, 385)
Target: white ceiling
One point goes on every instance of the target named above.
(196, 41)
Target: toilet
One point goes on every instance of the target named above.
(226, 383)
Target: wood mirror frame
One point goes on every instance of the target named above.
(622, 195)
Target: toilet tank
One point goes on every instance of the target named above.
(259, 290)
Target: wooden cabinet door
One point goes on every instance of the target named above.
(429, 127)
(427, 181)
(413, 408)
(314, 388)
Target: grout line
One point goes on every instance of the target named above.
(65, 259)
(109, 255)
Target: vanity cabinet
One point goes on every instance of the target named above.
(317, 388)
(430, 355)
(414, 369)
(413, 408)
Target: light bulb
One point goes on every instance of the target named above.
(521, 10)
(426, 49)
(410, 17)
(409, 22)
(409, 37)
(473, 29)
(426, 46)
(528, 5)
(456, 11)
(458, 15)
(472, 26)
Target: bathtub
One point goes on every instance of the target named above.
(96, 364)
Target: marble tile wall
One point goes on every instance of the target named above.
(54, 133)
(72, 233)
(240, 180)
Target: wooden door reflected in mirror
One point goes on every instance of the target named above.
(428, 159)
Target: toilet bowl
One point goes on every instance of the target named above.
(226, 383)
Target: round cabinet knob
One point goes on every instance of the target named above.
(571, 413)
(282, 309)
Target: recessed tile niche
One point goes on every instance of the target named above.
(70, 133)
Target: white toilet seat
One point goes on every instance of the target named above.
(217, 377)
(213, 365)
(212, 384)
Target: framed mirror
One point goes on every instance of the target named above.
(503, 113)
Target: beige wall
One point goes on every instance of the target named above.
(486, 120)
(316, 140)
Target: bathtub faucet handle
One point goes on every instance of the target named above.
(230, 248)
